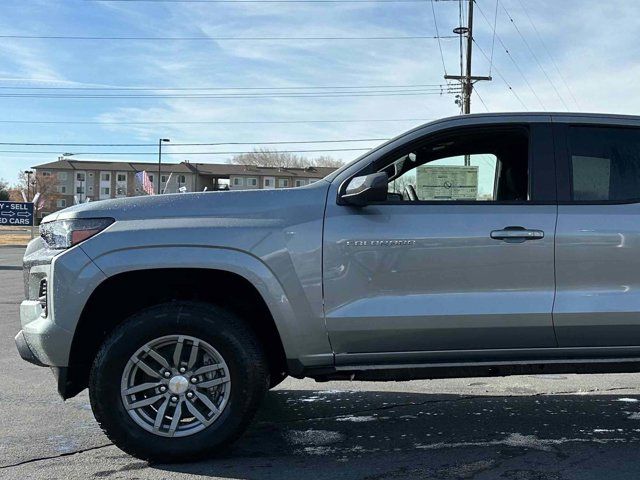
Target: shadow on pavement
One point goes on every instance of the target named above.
(356, 434)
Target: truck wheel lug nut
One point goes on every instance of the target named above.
(182, 369)
(167, 374)
(189, 394)
(174, 399)
(163, 388)
(194, 379)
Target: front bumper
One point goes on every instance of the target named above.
(41, 341)
(25, 352)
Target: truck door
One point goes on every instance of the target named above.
(598, 236)
(459, 258)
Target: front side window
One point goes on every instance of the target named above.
(605, 163)
(474, 167)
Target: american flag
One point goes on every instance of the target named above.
(142, 178)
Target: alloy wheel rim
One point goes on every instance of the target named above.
(175, 385)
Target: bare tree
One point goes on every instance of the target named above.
(265, 157)
(44, 185)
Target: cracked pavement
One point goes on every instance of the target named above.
(521, 428)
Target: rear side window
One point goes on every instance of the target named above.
(605, 163)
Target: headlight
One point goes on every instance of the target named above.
(67, 233)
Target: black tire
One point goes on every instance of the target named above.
(222, 329)
(277, 379)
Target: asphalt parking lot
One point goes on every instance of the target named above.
(529, 427)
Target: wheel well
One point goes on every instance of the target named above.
(120, 296)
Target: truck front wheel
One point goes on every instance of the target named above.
(178, 382)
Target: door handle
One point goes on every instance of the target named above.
(516, 234)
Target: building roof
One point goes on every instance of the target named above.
(233, 169)
(213, 169)
(122, 166)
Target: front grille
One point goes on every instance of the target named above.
(42, 296)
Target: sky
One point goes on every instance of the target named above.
(570, 55)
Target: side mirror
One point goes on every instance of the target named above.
(366, 189)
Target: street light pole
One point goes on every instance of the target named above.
(160, 141)
(28, 173)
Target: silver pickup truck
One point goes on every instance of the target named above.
(471, 246)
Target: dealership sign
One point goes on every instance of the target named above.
(16, 213)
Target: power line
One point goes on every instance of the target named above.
(280, 142)
(481, 99)
(133, 88)
(435, 23)
(270, 1)
(535, 57)
(544, 45)
(154, 153)
(513, 60)
(493, 39)
(501, 76)
(386, 93)
(203, 38)
(212, 122)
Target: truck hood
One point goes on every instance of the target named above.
(180, 205)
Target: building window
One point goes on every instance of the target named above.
(151, 178)
(252, 182)
(268, 183)
(62, 176)
(80, 177)
(105, 177)
(61, 203)
(46, 174)
(105, 191)
(299, 183)
(312, 180)
(62, 189)
(182, 179)
(79, 190)
(237, 181)
(163, 178)
(283, 182)
(122, 177)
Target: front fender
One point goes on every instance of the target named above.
(297, 343)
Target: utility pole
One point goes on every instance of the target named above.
(466, 78)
